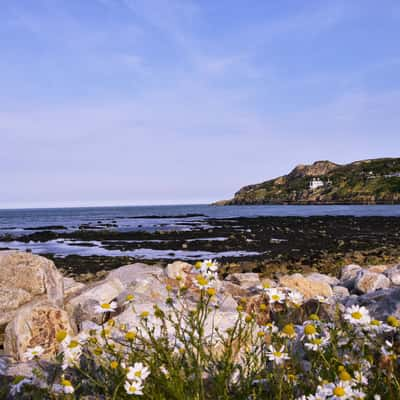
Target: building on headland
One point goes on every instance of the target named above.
(316, 183)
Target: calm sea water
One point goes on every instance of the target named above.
(152, 218)
(128, 217)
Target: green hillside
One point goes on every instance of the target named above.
(361, 182)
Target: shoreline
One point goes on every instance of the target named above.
(292, 244)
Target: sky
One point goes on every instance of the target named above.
(124, 102)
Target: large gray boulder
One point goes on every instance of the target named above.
(367, 281)
(25, 277)
(82, 307)
(133, 273)
(34, 274)
(381, 303)
(36, 324)
(348, 275)
(394, 274)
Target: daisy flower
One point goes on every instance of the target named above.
(202, 282)
(357, 315)
(338, 391)
(133, 388)
(36, 351)
(317, 344)
(277, 356)
(138, 372)
(295, 298)
(275, 295)
(106, 307)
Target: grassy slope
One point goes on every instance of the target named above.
(359, 182)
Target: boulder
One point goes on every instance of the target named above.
(227, 303)
(378, 268)
(235, 290)
(71, 287)
(394, 274)
(366, 281)
(348, 275)
(381, 303)
(36, 324)
(10, 299)
(245, 280)
(149, 289)
(309, 288)
(131, 274)
(330, 280)
(34, 274)
(340, 292)
(178, 268)
(82, 306)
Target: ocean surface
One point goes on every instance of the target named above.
(20, 222)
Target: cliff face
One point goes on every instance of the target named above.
(361, 182)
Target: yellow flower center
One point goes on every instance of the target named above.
(105, 306)
(375, 322)
(393, 321)
(73, 344)
(130, 335)
(277, 354)
(114, 364)
(144, 314)
(316, 341)
(138, 374)
(66, 382)
(314, 317)
(310, 329)
(211, 291)
(289, 330)
(345, 376)
(61, 335)
(339, 391)
(356, 315)
(275, 297)
(266, 285)
(201, 280)
(132, 389)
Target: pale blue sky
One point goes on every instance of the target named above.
(181, 101)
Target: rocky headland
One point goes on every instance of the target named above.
(375, 181)
(37, 301)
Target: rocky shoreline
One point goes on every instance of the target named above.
(276, 244)
(34, 294)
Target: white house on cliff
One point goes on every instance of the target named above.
(315, 184)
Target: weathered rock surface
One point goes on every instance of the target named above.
(10, 299)
(71, 287)
(178, 269)
(244, 280)
(133, 273)
(340, 292)
(34, 274)
(378, 268)
(348, 275)
(330, 280)
(367, 281)
(381, 303)
(36, 324)
(394, 274)
(82, 306)
(309, 288)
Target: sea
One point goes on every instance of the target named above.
(18, 222)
